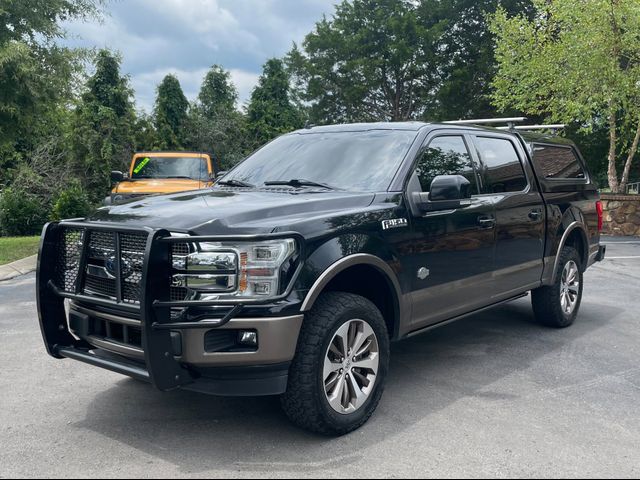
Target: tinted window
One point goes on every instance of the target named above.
(358, 161)
(445, 156)
(556, 162)
(501, 167)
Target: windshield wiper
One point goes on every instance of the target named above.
(299, 182)
(232, 182)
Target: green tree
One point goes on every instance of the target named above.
(146, 136)
(576, 65)
(102, 132)
(373, 60)
(218, 94)
(271, 112)
(171, 114)
(36, 74)
(214, 124)
(465, 59)
(71, 202)
(35, 20)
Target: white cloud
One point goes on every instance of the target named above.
(186, 37)
(244, 82)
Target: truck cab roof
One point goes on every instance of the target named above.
(527, 136)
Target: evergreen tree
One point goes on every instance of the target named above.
(218, 94)
(271, 111)
(103, 126)
(146, 137)
(171, 113)
(215, 125)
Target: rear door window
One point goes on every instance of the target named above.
(501, 170)
(557, 163)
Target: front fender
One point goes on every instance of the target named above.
(342, 252)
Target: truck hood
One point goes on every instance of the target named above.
(157, 185)
(215, 211)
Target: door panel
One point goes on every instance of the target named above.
(507, 178)
(454, 247)
(457, 249)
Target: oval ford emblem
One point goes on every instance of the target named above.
(126, 269)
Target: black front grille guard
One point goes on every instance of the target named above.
(154, 310)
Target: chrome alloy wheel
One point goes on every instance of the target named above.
(351, 366)
(569, 287)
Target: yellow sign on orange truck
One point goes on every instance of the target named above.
(154, 173)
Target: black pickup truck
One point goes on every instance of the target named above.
(294, 273)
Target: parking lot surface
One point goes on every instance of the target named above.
(492, 395)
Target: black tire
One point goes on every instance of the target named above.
(305, 402)
(547, 301)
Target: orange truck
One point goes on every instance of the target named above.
(156, 173)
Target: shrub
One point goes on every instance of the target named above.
(73, 202)
(21, 212)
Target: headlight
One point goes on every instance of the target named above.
(233, 269)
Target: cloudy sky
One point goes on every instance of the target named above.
(185, 37)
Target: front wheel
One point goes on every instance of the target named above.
(557, 305)
(338, 375)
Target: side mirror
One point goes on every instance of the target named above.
(449, 187)
(117, 177)
(447, 193)
(221, 174)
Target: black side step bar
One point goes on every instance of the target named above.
(86, 356)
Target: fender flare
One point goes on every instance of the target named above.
(563, 241)
(354, 260)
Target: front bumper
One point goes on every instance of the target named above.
(277, 338)
(169, 354)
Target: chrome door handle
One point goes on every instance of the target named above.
(486, 222)
(535, 215)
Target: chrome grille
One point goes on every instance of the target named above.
(101, 265)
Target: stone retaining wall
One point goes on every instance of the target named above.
(621, 214)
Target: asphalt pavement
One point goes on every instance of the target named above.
(493, 395)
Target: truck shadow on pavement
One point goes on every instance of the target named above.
(464, 360)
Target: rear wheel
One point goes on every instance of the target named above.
(557, 305)
(338, 375)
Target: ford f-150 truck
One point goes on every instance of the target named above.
(292, 275)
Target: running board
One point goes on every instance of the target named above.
(464, 315)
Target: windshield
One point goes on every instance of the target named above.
(356, 161)
(170, 167)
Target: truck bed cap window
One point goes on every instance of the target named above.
(557, 163)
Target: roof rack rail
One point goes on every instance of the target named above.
(554, 127)
(488, 121)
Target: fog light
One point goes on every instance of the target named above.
(248, 338)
